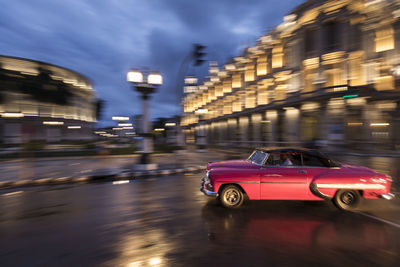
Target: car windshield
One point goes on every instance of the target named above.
(258, 157)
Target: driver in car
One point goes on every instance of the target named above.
(285, 160)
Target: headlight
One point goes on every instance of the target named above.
(207, 177)
(207, 182)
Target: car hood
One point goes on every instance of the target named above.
(231, 164)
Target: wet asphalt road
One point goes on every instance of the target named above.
(167, 221)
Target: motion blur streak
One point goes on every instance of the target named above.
(121, 182)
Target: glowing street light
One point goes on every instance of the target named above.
(134, 76)
(146, 86)
(201, 111)
(12, 115)
(120, 118)
(124, 124)
(154, 79)
(53, 123)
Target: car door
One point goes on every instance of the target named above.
(278, 181)
(314, 165)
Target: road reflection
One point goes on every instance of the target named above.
(298, 228)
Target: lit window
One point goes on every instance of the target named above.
(334, 76)
(384, 40)
(384, 83)
(250, 100)
(227, 86)
(356, 76)
(219, 90)
(237, 80)
(227, 108)
(262, 97)
(262, 65)
(236, 105)
(249, 73)
(277, 57)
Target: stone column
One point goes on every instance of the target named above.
(272, 117)
(256, 121)
(323, 121)
(244, 124)
(280, 126)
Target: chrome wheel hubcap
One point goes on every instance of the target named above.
(232, 197)
(348, 198)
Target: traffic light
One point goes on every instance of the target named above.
(198, 54)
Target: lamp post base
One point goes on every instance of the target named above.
(144, 163)
(144, 158)
(201, 148)
(146, 167)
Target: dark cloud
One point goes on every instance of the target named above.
(103, 39)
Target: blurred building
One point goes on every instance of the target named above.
(330, 71)
(166, 130)
(138, 123)
(172, 129)
(43, 102)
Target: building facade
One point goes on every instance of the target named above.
(329, 71)
(43, 102)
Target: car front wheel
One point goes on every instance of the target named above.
(231, 197)
(347, 199)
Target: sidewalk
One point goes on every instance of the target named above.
(33, 172)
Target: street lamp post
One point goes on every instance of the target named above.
(145, 86)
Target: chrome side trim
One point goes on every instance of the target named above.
(283, 182)
(352, 186)
(257, 182)
(241, 182)
(388, 196)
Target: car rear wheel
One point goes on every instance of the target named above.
(347, 199)
(231, 197)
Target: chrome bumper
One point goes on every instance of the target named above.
(207, 192)
(388, 196)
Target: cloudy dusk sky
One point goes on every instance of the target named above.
(103, 39)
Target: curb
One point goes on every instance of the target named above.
(87, 179)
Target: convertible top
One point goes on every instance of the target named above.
(313, 152)
(285, 149)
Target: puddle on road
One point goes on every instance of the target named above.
(42, 212)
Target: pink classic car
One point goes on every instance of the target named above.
(293, 174)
